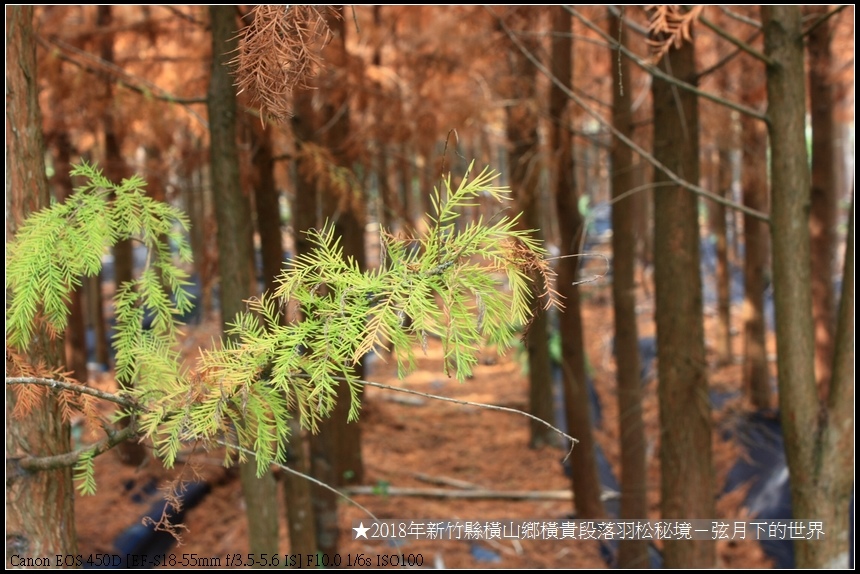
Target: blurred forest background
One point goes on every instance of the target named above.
(701, 163)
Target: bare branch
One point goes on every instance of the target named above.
(653, 70)
(470, 403)
(736, 41)
(121, 77)
(187, 17)
(74, 387)
(302, 475)
(644, 154)
(824, 17)
(725, 60)
(113, 438)
(740, 17)
(635, 26)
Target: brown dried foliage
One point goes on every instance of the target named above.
(31, 397)
(672, 24)
(535, 266)
(279, 51)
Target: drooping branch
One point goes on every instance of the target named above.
(462, 402)
(653, 70)
(638, 149)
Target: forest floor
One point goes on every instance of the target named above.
(406, 441)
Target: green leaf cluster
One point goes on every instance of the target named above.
(469, 285)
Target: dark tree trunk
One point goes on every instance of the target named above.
(235, 250)
(838, 436)
(335, 450)
(822, 216)
(524, 167)
(817, 437)
(723, 279)
(115, 167)
(130, 452)
(685, 414)
(299, 492)
(586, 483)
(267, 204)
(405, 170)
(76, 335)
(40, 511)
(634, 501)
(754, 184)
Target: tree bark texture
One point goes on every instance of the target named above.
(723, 341)
(40, 517)
(584, 475)
(756, 375)
(687, 489)
(235, 251)
(634, 502)
(817, 435)
(822, 216)
(525, 166)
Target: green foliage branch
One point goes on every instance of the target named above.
(468, 286)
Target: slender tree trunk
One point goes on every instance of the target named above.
(130, 452)
(838, 435)
(723, 278)
(822, 216)
(267, 204)
(634, 500)
(685, 414)
(299, 493)
(115, 166)
(817, 435)
(524, 167)
(405, 171)
(584, 475)
(754, 183)
(40, 511)
(335, 450)
(235, 250)
(76, 335)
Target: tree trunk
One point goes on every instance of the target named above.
(586, 482)
(299, 492)
(115, 168)
(40, 512)
(76, 335)
(838, 436)
(822, 216)
(817, 440)
(634, 488)
(235, 250)
(754, 183)
(336, 450)
(718, 225)
(524, 166)
(130, 452)
(267, 204)
(685, 414)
